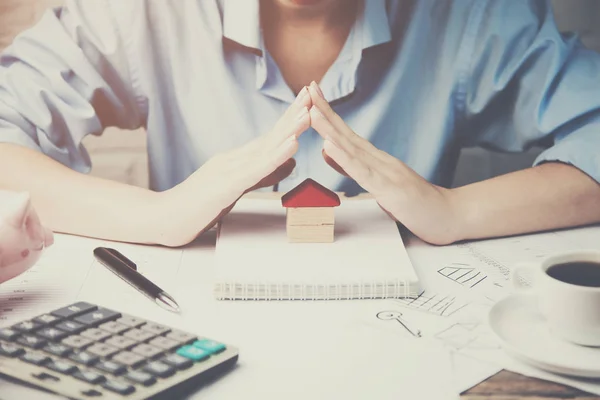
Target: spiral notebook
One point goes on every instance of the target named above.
(255, 261)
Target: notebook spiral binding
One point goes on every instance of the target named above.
(279, 291)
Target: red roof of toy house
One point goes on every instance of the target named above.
(310, 194)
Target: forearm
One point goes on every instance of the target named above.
(549, 196)
(75, 203)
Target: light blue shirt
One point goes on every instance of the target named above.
(419, 79)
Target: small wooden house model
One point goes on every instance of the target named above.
(310, 213)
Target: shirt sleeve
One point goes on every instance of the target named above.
(527, 84)
(65, 78)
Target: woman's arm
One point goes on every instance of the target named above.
(71, 202)
(70, 76)
(548, 196)
(61, 80)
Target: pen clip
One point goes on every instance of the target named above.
(120, 256)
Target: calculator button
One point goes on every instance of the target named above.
(159, 369)
(70, 326)
(121, 342)
(118, 387)
(89, 377)
(95, 334)
(114, 327)
(97, 317)
(73, 310)
(62, 367)
(77, 342)
(42, 376)
(146, 350)
(164, 343)
(139, 335)
(130, 321)
(102, 350)
(128, 358)
(181, 337)
(210, 345)
(27, 326)
(35, 358)
(32, 341)
(10, 350)
(177, 361)
(57, 349)
(52, 333)
(193, 353)
(8, 334)
(155, 328)
(47, 319)
(140, 377)
(111, 367)
(85, 358)
(91, 393)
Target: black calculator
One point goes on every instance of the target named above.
(84, 351)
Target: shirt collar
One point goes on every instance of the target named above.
(241, 23)
(373, 24)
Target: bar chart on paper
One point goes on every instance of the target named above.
(55, 280)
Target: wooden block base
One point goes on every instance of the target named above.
(310, 233)
(310, 216)
(310, 224)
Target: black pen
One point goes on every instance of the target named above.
(126, 269)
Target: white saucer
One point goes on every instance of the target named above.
(524, 334)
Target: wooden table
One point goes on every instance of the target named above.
(509, 386)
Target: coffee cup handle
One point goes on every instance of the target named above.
(518, 277)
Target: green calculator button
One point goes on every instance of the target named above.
(209, 345)
(193, 353)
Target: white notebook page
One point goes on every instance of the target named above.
(252, 248)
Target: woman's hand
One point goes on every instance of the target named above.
(211, 192)
(423, 208)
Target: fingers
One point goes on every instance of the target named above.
(288, 126)
(342, 130)
(295, 120)
(282, 172)
(333, 164)
(318, 101)
(355, 167)
(300, 124)
(267, 162)
(329, 132)
(354, 151)
(332, 127)
(342, 134)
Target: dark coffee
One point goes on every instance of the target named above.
(582, 273)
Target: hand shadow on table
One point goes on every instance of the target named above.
(18, 301)
(256, 224)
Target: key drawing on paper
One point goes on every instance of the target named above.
(397, 316)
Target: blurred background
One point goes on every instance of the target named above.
(122, 156)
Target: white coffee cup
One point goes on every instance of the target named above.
(572, 311)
